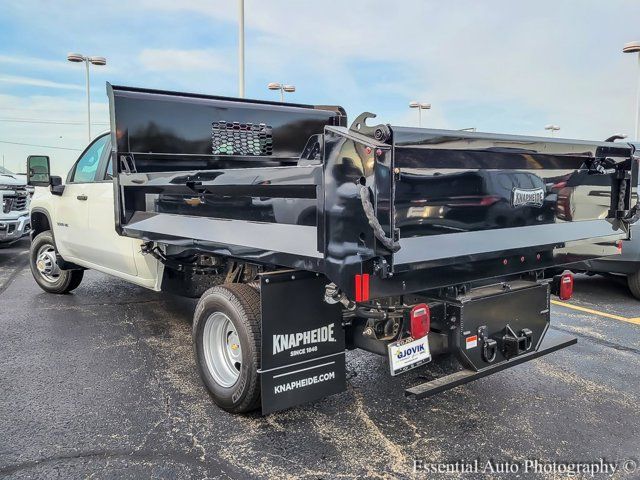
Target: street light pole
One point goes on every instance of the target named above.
(241, 48)
(420, 106)
(282, 87)
(634, 47)
(86, 62)
(98, 61)
(552, 128)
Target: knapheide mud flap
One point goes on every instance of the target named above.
(303, 342)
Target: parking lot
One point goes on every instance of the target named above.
(101, 383)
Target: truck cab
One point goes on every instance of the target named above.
(80, 216)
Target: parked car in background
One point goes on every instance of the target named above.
(15, 196)
(627, 264)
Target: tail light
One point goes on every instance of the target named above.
(562, 285)
(619, 246)
(420, 320)
(566, 286)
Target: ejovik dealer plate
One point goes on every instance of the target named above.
(408, 353)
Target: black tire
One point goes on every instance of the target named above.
(65, 281)
(633, 280)
(241, 305)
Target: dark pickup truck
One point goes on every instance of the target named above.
(304, 237)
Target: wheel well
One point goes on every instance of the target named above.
(39, 223)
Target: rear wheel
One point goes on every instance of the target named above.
(44, 267)
(226, 336)
(633, 280)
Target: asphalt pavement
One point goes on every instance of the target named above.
(101, 383)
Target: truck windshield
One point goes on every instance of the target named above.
(4, 171)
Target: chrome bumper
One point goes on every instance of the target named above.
(11, 230)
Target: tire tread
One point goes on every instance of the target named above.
(246, 299)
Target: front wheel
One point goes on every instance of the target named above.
(226, 336)
(44, 267)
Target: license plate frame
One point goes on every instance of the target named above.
(407, 354)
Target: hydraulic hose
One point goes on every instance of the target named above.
(378, 232)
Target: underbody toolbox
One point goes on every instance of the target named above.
(499, 322)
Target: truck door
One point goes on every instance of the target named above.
(104, 247)
(72, 211)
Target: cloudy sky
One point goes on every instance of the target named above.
(497, 65)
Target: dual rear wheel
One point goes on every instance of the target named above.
(226, 340)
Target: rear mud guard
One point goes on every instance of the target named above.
(303, 341)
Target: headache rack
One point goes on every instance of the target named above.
(395, 209)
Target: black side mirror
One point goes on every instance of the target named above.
(57, 188)
(38, 171)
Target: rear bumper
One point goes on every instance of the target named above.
(456, 379)
(15, 229)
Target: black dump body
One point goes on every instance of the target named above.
(281, 185)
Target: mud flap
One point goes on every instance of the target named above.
(303, 341)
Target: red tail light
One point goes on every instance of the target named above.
(619, 246)
(566, 286)
(420, 320)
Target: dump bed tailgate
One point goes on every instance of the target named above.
(480, 195)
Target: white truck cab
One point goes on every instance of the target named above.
(73, 225)
(14, 207)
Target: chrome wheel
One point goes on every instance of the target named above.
(222, 349)
(46, 264)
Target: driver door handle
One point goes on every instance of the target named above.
(82, 197)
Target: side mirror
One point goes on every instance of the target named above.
(57, 188)
(38, 171)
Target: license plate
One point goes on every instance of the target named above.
(408, 353)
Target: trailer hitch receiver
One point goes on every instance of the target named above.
(513, 345)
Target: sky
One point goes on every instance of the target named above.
(495, 65)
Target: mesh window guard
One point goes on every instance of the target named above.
(246, 139)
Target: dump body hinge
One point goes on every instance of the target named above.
(380, 132)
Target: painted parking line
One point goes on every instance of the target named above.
(635, 320)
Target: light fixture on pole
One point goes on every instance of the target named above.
(420, 106)
(241, 49)
(282, 87)
(634, 47)
(552, 128)
(98, 61)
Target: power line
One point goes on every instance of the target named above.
(53, 122)
(41, 146)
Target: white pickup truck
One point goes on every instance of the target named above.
(14, 207)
